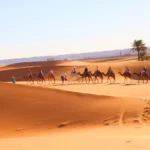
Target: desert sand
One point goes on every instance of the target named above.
(74, 116)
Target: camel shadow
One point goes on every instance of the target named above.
(67, 84)
(112, 83)
(129, 84)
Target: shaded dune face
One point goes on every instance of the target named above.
(27, 111)
(21, 69)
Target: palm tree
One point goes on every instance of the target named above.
(139, 47)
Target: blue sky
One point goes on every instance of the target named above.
(45, 27)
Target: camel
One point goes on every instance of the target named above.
(97, 74)
(29, 78)
(111, 75)
(51, 78)
(40, 78)
(85, 75)
(73, 77)
(126, 75)
(142, 76)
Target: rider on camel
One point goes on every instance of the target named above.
(109, 71)
(97, 69)
(144, 70)
(29, 73)
(126, 70)
(86, 69)
(51, 72)
(73, 70)
(41, 73)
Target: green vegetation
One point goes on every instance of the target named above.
(140, 47)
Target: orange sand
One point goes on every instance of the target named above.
(80, 116)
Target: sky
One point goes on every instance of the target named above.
(52, 27)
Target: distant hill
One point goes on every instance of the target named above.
(72, 56)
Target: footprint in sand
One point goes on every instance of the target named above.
(145, 116)
(136, 121)
(111, 120)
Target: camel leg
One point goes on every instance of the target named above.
(101, 79)
(82, 79)
(88, 80)
(32, 81)
(95, 79)
(108, 79)
(147, 79)
(91, 79)
(114, 80)
(131, 79)
(125, 80)
(139, 80)
(143, 80)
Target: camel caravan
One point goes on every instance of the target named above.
(86, 76)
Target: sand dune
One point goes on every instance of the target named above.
(28, 110)
(44, 117)
(75, 116)
(116, 138)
